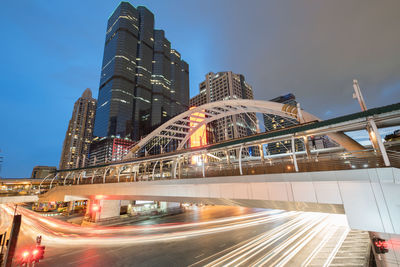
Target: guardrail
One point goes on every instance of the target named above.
(247, 166)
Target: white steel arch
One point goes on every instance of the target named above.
(178, 127)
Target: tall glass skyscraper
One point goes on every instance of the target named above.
(143, 81)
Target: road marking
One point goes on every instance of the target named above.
(199, 255)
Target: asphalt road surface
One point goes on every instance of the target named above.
(206, 236)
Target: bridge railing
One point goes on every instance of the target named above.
(336, 161)
(246, 166)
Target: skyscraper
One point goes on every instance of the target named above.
(143, 81)
(273, 122)
(223, 86)
(79, 133)
(107, 149)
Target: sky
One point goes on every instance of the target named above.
(52, 50)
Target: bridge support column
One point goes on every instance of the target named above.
(65, 179)
(104, 175)
(305, 138)
(99, 210)
(53, 180)
(132, 172)
(240, 159)
(376, 138)
(94, 174)
(228, 157)
(261, 149)
(294, 155)
(161, 169)
(154, 168)
(203, 168)
(179, 168)
(175, 165)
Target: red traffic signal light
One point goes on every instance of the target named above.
(380, 245)
(38, 253)
(35, 252)
(25, 257)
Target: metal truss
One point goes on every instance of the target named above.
(181, 127)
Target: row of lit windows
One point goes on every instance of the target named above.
(123, 17)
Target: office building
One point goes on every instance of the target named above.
(107, 149)
(275, 122)
(143, 81)
(42, 171)
(224, 86)
(79, 133)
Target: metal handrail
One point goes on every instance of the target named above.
(343, 160)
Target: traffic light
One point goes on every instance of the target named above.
(25, 257)
(38, 253)
(380, 245)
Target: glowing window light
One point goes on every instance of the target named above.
(199, 137)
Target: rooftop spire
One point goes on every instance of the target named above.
(87, 93)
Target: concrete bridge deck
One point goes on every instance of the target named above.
(369, 197)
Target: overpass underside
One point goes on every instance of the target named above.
(369, 197)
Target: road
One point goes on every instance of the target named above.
(207, 236)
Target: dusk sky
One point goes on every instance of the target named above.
(52, 50)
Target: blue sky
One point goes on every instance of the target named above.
(52, 50)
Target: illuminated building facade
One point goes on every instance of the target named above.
(107, 149)
(274, 122)
(79, 133)
(223, 86)
(143, 81)
(199, 137)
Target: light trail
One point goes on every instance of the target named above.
(290, 252)
(58, 237)
(5, 220)
(277, 246)
(51, 222)
(336, 249)
(296, 234)
(253, 248)
(318, 248)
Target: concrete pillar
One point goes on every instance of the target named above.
(203, 165)
(103, 209)
(109, 208)
(179, 168)
(261, 149)
(307, 146)
(240, 160)
(228, 157)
